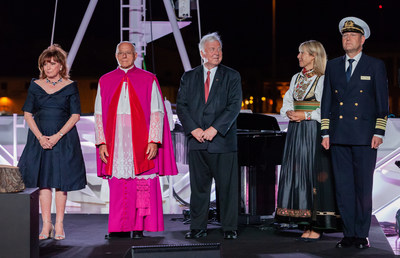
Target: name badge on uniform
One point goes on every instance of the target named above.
(365, 78)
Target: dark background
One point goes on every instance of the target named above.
(245, 28)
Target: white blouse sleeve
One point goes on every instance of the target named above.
(288, 98)
(157, 116)
(98, 119)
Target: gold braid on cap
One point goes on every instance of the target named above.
(350, 26)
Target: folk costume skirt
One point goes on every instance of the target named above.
(306, 186)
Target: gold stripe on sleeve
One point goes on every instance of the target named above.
(325, 124)
(381, 123)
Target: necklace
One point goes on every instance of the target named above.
(310, 73)
(53, 83)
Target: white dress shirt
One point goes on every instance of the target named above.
(355, 62)
(212, 75)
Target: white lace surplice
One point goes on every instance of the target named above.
(123, 164)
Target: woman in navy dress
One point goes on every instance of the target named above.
(52, 157)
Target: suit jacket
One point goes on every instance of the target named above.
(352, 112)
(221, 110)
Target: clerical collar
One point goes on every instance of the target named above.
(126, 69)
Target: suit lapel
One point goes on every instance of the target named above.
(200, 79)
(215, 84)
(342, 75)
(360, 67)
(355, 77)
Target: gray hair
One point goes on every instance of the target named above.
(208, 38)
(133, 45)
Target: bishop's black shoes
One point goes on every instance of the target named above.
(115, 235)
(137, 234)
(361, 243)
(230, 234)
(196, 233)
(345, 242)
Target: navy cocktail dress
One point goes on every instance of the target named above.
(61, 167)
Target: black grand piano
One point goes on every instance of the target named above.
(260, 150)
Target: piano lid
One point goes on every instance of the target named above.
(257, 122)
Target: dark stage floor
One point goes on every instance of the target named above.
(85, 238)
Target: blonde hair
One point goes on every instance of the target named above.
(317, 50)
(59, 55)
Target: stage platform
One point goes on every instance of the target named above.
(85, 238)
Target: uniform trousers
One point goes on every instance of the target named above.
(353, 168)
(223, 167)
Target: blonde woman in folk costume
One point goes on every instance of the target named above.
(305, 191)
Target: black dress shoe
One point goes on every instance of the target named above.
(196, 233)
(361, 243)
(345, 242)
(113, 235)
(137, 234)
(230, 234)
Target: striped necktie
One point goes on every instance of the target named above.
(349, 69)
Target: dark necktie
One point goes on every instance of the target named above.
(349, 69)
(207, 86)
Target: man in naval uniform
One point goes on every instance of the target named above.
(354, 111)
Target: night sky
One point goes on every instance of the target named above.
(245, 28)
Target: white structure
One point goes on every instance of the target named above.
(139, 31)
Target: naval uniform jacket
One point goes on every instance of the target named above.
(353, 112)
(221, 110)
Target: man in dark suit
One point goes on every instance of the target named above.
(209, 101)
(354, 111)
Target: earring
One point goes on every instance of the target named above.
(60, 68)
